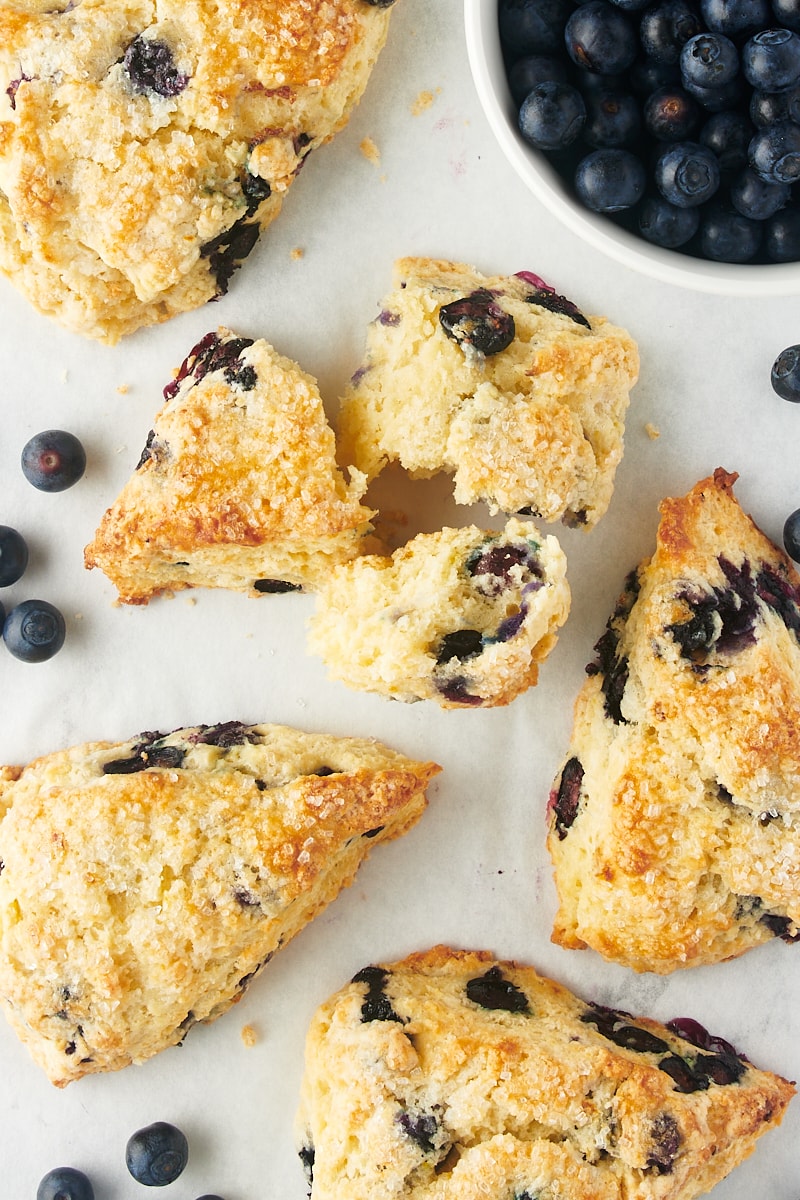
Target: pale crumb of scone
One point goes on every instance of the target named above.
(370, 150)
(652, 431)
(123, 389)
(424, 101)
(297, 253)
(249, 1036)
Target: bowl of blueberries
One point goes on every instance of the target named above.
(664, 132)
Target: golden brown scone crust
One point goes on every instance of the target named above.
(145, 883)
(452, 1076)
(538, 425)
(675, 822)
(237, 486)
(143, 146)
(462, 616)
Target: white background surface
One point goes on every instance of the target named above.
(474, 872)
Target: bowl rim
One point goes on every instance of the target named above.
(670, 266)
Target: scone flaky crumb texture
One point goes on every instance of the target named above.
(454, 1076)
(145, 883)
(144, 146)
(674, 824)
(498, 381)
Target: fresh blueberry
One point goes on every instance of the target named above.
(209, 1196)
(13, 555)
(533, 26)
(774, 152)
(728, 135)
(525, 73)
(648, 75)
(768, 107)
(671, 114)
(687, 174)
(665, 224)
(735, 16)
(599, 37)
(791, 534)
(613, 120)
(771, 60)
(666, 27)
(157, 1154)
(787, 14)
(65, 1183)
(709, 60)
(719, 99)
(754, 198)
(782, 236)
(785, 376)
(552, 115)
(727, 236)
(610, 180)
(53, 460)
(34, 631)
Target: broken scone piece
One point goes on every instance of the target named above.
(237, 486)
(675, 819)
(462, 616)
(497, 380)
(453, 1076)
(145, 146)
(145, 883)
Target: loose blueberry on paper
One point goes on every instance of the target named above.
(34, 631)
(65, 1183)
(53, 460)
(13, 555)
(157, 1154)
(719, 79)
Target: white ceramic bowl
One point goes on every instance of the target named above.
(488, 72)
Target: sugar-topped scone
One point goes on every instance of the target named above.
(145, 146)
(145, 883)
(462, 616)
(453, 1076)
(675, 820)
(237, 486)
(497, 380)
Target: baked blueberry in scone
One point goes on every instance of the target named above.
(237, 485)
(674, 823)
(145, 146)
(461, 616)
(145, 883)
(453, 1076)
(497, 380)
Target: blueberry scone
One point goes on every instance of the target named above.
(145, 883)
(145, 146)
(674, 824)
(237, 486)
(462, 616)
(452, 1076)
(497, 380)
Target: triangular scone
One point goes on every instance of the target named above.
(461, 616)
(145, 146)
(452, 1076)
(145, 883)
(237, 486)
(675, 821)
(497, 380)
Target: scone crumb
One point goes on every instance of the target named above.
(297, 253)
(652, 431)
(123, 389)
(249, 1036)
(370, 150)
(423, 101)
